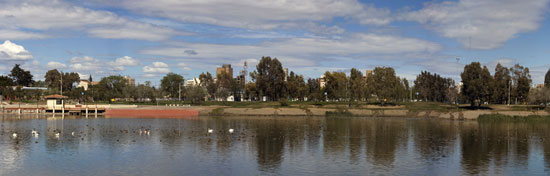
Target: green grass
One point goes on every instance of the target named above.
(507, 118)
(217, 112)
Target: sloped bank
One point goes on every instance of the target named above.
(458, 115)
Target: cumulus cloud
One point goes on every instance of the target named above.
(156, 69)
(258, 14)
(120, 63)
(51, 15)
(86, 63)
(12, 52)
(483, 24)
(55, 65)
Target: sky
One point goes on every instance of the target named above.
(147, 39)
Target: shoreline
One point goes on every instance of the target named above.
(203, 111)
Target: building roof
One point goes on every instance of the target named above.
(56, 97)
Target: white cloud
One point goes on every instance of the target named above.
(299, 51)
(55, 65)
(258, 14)
(11, 52)
(121, 62)
(184, 66)
(155, 69)
(52, 15)
(481, 24)
(86, 63)
(19, 35)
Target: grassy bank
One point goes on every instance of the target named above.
(508, 118)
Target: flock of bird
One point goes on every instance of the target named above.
(147, 132)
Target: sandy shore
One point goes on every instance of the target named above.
(377, 111)
(467, 114)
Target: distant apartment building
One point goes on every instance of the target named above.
(226, 68)
(192, 82)
(540, 86)
(130, 81)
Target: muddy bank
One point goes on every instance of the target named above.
(458, 115)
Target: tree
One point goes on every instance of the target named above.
(433, 87)
(522, 82)
(337, 85)
(547, 79)
(5, 86)
(208, 82)
(314, 93)
(475, 83)
(52, 79)
(251, 91)
(296, 86)
(269, 78)
(501, 85)
(20, 76)
(111, 87)
(196, 94)
(172, 84)
(6, 81)
(357, 84)
(385, 84)
(225, 85)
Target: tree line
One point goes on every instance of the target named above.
(269, 82)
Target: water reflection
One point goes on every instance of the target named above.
(271, 145)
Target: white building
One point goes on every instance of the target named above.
(192, 82)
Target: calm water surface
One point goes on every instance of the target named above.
(272, 146)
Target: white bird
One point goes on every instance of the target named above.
(14, 135)
(231, 130)
(33, 132)
(56, 135)
(210, 130)
(72, 133)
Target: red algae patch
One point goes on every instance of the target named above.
(152, 113)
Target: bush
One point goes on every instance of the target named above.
(283, 102)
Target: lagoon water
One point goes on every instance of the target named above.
(272, 146)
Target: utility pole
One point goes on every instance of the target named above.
(61, 85)
(509, 91)
(179, 92)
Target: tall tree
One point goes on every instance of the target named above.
(296, 86)
(501, 86)
(270, 78)
(386, 84)
(475, 84)
(522, 83)
(225, 85)
(357, 84)
(172, 84)
(547, 79)
(207, 81)
(314, 93)
(111, 87)
(337, 86)
(6, 81)
(20, 76)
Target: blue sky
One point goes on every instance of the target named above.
(148, 38)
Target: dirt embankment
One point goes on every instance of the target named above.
(459, 115)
